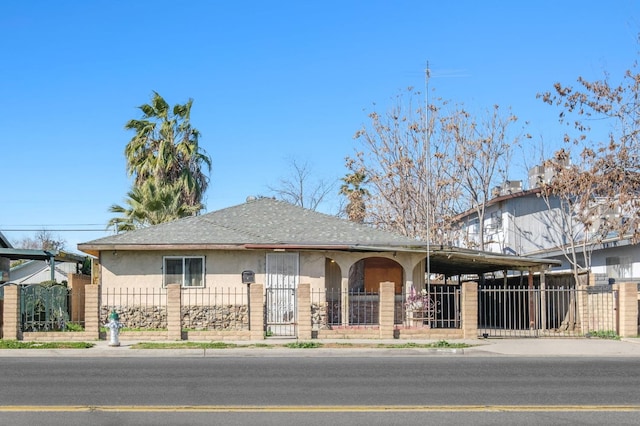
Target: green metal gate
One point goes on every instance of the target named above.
(43, 307)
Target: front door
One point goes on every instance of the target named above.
(281, 286)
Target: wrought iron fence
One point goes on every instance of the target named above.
(215, 309)
(51, 308)
(437, 307)
(329, 307)
(138, 309)
(520, 311)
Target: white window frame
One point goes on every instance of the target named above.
(183, 258)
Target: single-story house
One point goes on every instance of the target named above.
(280, 245)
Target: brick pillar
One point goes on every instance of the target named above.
(470, 310)
(92, 310)
(77, 284)
(256, 307)
(387, 307)
(174, 319)
(11, 314)
(303, 304)
(627, 309)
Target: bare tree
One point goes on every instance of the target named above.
(483, 148)
(399, 155)
(601, 193)
(299, 189)
(572, 222)
(42, 240)
(426, 165)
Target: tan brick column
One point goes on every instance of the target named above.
(303, 303)
(174, 319)
(387, 307)
(92, 310)
(470, 310)
(627, 309)
(256, 307)
(11, 315)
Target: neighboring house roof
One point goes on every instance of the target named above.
(520, 194)
(37, 271)
(255, 224)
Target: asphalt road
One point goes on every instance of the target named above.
(301, 390)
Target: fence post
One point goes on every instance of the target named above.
(470, 310)
(628, 309)
(256, 318)
(11, 314)
(92, 310)
(386, 310)
(304, 311)
(174, 305)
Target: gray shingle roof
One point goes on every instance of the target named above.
(262, 222)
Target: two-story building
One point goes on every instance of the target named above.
(523, 223)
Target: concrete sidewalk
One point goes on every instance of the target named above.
(533, 347)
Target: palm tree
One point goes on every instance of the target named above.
(165, 149)
(168, 166)
(356, 194)
(150, 205)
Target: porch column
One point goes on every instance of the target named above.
(470, 310)
(405, 312)
(92, 310)
(386, 309)
(174, 305)
(303, 316)
(627, 309)
(256, 316)
(344, 297)
(11, 314)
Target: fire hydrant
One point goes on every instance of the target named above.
(114, 325)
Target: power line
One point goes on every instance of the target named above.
(53, 229)
(56, 224)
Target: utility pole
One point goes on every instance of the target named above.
(428, 145)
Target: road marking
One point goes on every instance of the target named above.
(314, 408)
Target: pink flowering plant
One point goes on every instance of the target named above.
(420, 304)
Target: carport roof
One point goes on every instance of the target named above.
(454, 261)
(59, 256)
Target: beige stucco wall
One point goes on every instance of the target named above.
(135, 269)
(144, 269)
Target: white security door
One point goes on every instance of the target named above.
(282, 283)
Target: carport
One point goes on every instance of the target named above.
(28, 254)
(454, 261)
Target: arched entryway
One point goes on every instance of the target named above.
(367, 274)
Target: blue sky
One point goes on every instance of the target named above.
(271, 81)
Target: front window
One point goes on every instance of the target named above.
(186, 271)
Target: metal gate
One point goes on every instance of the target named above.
(520, 311)
(281, 312)
(44, 308)
(280, 295)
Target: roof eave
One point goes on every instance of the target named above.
(95, 249)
